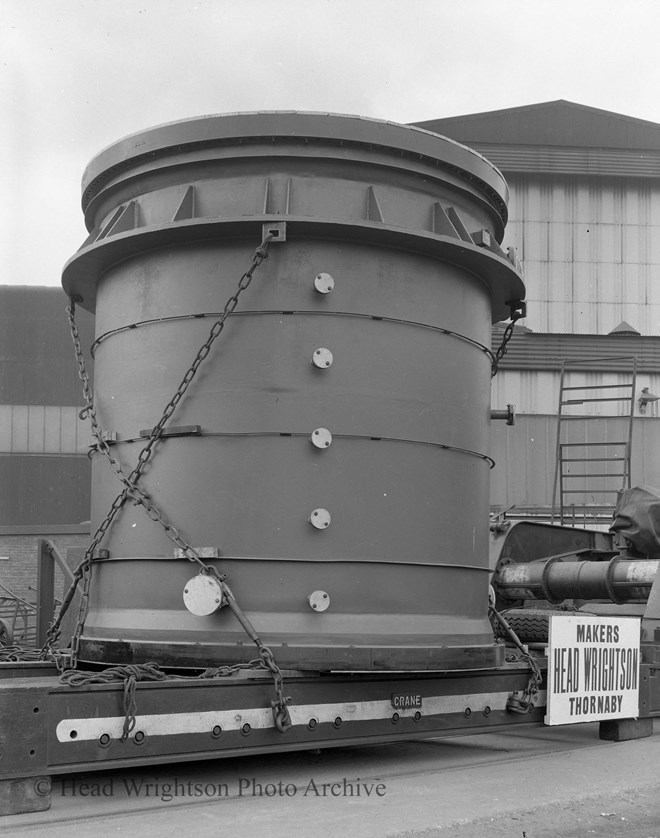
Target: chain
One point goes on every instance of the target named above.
(518, 310)
(260, 254)
(130, 674)
(281, 715)
(521, 701)
(130, 482)
(132, 491)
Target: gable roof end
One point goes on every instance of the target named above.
(557, 123)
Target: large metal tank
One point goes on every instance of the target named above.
(389, 264)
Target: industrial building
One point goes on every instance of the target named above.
(44, 468)
(584, 217)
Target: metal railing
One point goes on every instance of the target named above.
(18, 620)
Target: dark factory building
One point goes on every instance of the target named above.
(44, 468)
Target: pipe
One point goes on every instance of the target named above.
(509, 415)
(618, 580)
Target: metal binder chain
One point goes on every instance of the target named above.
(518, 310)
(521, 701)
(83, 571)
(130, 487)
(131, 674)
(281, 714)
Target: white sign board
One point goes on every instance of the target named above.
(593, 668)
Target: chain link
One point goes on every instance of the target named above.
(260, 254)
(129, 675)
(132, 491)
(281, 714)
(518, 310)
(521, 701)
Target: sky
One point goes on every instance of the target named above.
(77, 75)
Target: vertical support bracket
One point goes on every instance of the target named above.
(45, 588)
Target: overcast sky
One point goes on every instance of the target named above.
(76, 75)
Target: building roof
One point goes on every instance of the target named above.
(558, 123)
(593, 353)
(559, 138)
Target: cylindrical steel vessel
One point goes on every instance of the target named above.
(368, 323)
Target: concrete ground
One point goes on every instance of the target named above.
(535, 782)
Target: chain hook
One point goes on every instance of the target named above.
(211, 570)
(521, 701)
(518, 310)
(281, 716)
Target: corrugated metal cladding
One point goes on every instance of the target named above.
(40, 396)
(590, 248)
(604, 353)
(43, 429)
(535, 392)
(571, 161)
(525, 457)
(44, 490)
(37, 363)
(529, 374)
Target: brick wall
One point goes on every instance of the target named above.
(18, 556)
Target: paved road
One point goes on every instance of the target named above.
(527, 783)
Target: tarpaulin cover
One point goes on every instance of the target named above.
(637, 518)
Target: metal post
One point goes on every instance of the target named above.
(45, 588)
(631, 417)
(558, 481)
